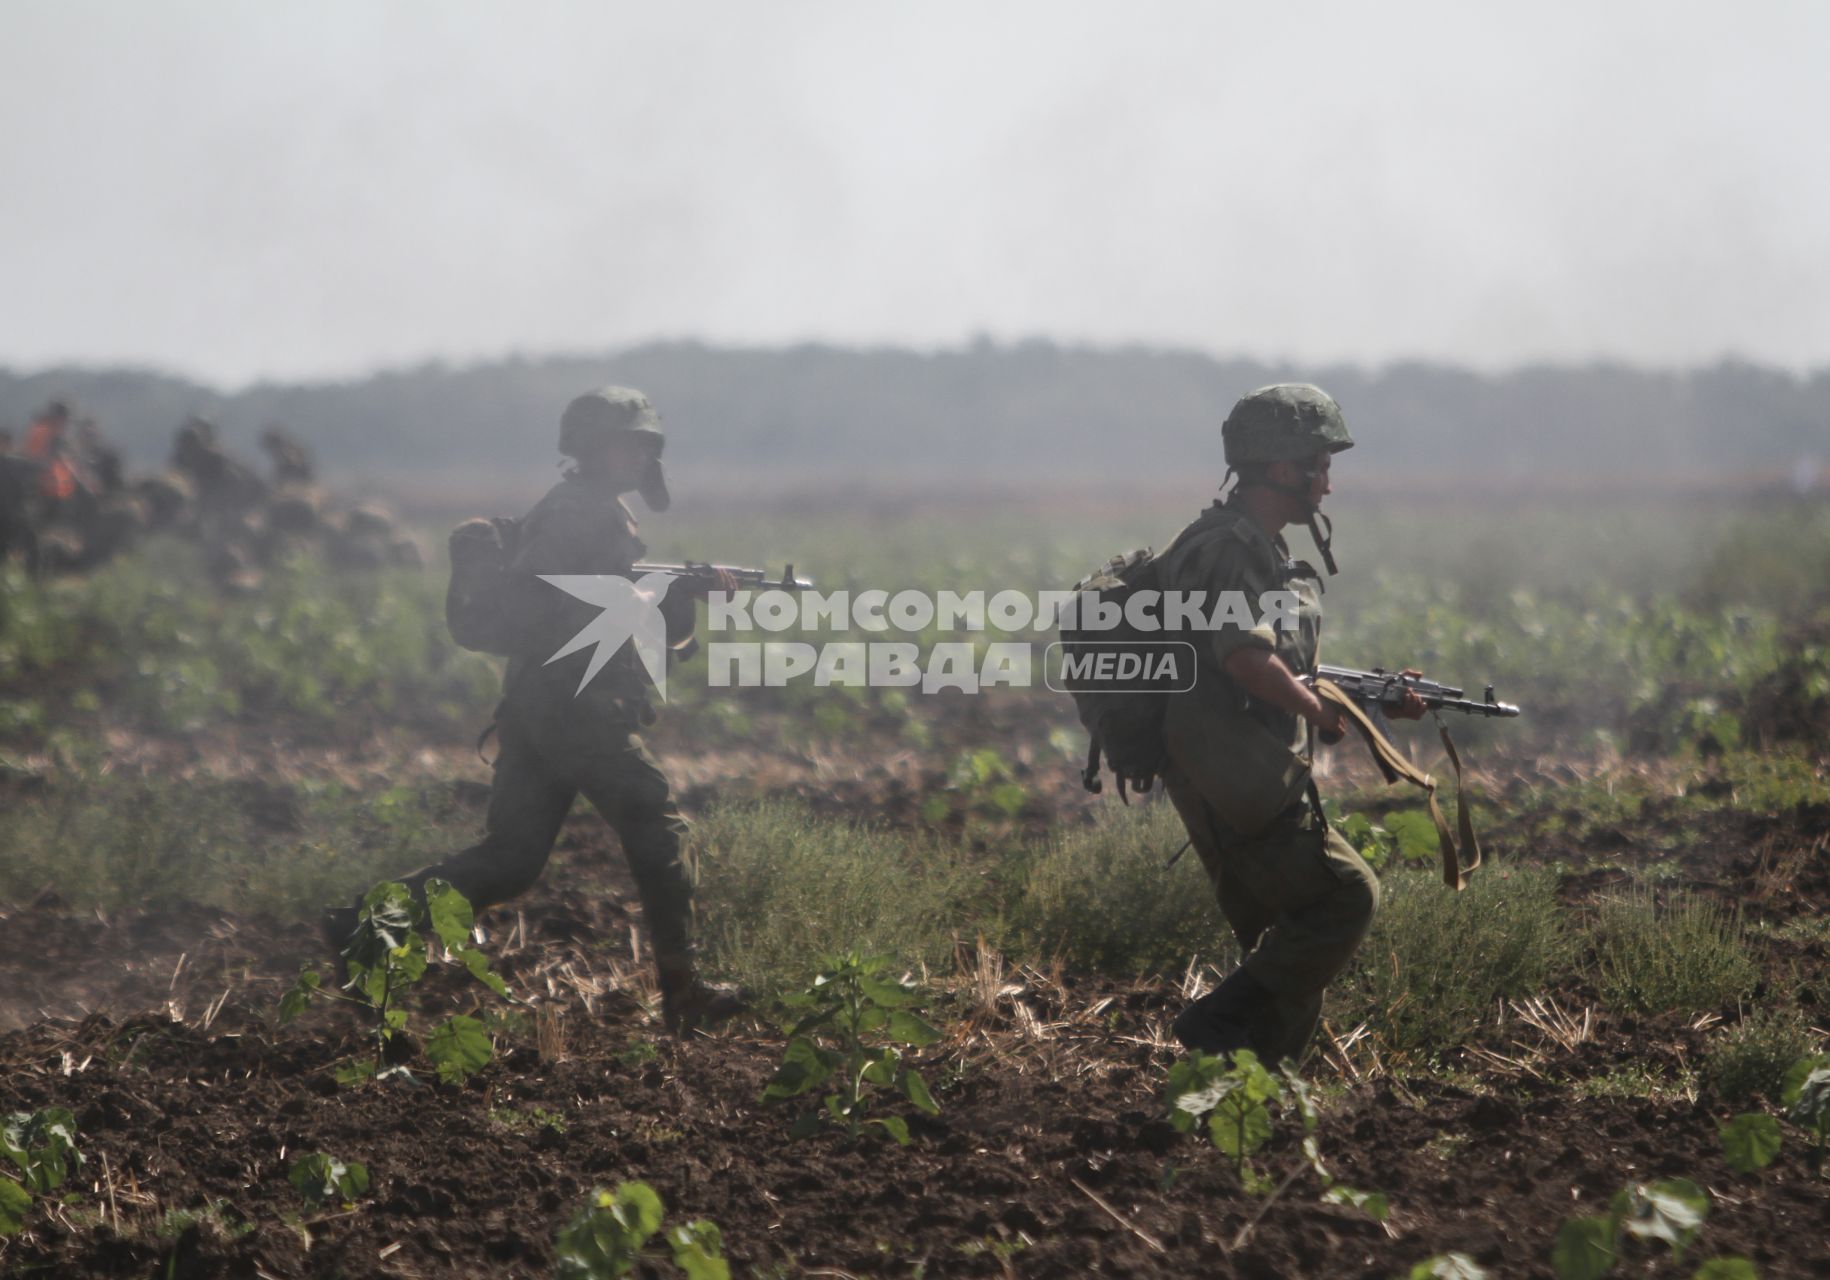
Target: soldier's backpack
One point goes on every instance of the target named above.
(1125, 726)
(477, 604)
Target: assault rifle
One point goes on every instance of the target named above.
(705, 577)
(1378, 690)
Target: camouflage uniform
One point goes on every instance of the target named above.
(557, 741)
(1298, 897)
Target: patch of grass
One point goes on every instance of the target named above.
(529, 1120)
(782, 886)
(1101, 900)
(1687, 956)
(114, 839)
(1634, 1080)
(1752, 1056)
(1437, 961)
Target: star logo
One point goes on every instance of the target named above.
(631, 614)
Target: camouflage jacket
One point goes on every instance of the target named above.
(580, 527)
(1226, 550)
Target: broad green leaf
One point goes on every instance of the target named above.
(450, 914)
(409, 962)
(13, 1139)
(1671, 1210)
(888, 993)
(1414, 835)
(698, 1249)
(639, 1207)
(320, 1179)
(15, 1200)
(915, 1089)
(896, 1127)
(43, 1145)
(1807, 1094)
(459, 1049)
(395, 1019)
(906, 1028)
(353, 1181)
(384, 923)
(298, 998)
(353, 1072)
(881, 1070)
(1750, 1141)
(805, 1125)
(1727, 1269)
(1584, 1249)
(805, 1066)
(1448, 1266)
(1240, 1127)
(1799, 1073)
(871, 1018)
(478, 964)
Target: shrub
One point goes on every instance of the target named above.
(1690, 956)
(1751, 1057)
(1437, 961)
(782, 887)
(1101, 899)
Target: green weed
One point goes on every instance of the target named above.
(607, 1238)
(782, 887)
(1437, 961)
(853, 1024)
(1688, 956)
(1101, 899)
(385, 956)
(1751, 1057)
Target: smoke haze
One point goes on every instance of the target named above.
(238, 192)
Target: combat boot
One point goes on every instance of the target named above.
(1234, 1015)
(688, 1003)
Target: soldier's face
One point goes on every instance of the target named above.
(1319, 486)
(624, 457)
(1306, 483)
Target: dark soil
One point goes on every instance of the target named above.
(1051, 1155)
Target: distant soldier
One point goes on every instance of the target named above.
(18, 490)
(226, 496)
(291, 461)
(561, 735)
(48, 445)
(101, 460)
(1239, 744)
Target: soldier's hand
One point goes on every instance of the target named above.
(1333, 726)
(1412, 707)
(727, 582)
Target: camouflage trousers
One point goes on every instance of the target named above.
(1299, 900)
(543, 763)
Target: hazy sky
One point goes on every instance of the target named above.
(234, 190)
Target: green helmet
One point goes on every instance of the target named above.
(608, 411)
(1285, 422)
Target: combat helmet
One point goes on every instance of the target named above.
(608, 411)
(597, 415)
(1284, 422)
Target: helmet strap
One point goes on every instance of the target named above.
(1321, 528)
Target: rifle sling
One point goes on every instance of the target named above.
(1457, 862)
